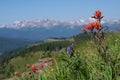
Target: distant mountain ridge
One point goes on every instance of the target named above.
(25, 32)
(47, 23)
(36, 33)
(39, 33)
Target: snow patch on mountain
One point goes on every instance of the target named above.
(47, 23)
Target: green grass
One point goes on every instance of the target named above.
(86, 64)
(18, 63)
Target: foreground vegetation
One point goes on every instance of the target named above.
(30, 55)
(85, 64)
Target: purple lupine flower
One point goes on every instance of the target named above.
(69, 50)
(56, 49)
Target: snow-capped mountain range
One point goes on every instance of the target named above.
(46, 23)
(41, 29)
(21, 33)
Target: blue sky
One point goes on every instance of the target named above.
(67, 10)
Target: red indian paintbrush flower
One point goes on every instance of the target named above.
(33, 68)
(97, 25)
(97, 14)
(94, 25)
(89, 26)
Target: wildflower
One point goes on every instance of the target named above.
(56, 49)
(97, 14)
(69, 50)
(33, 68)
(90, 26)
(96, 25)
(16, 73)
(41, 65)
(27, 66)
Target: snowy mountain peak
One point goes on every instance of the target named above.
(46, 23)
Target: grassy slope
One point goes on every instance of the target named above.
(85, 53)
(87, 61)
(32, 54)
